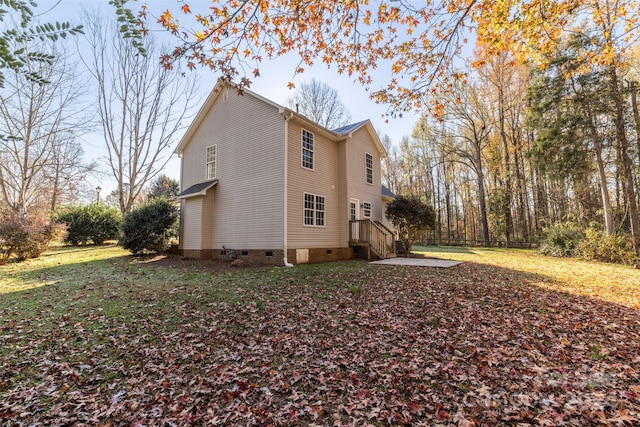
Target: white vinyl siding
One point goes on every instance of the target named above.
(368, 164)
(322, 180)
(247, 207)
(212, 156)
(314, 210)
(307, 149)
(358, 150)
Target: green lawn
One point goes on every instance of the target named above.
(93, 336)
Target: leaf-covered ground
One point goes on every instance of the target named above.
(115, 341)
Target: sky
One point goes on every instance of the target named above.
(272, 83)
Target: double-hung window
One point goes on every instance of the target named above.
(212, 155)
(366, 209)
(307, 149)
(368, 164)
(314, 210)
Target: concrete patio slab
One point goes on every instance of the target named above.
(418, 262)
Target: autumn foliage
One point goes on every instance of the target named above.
(416, 42)
(24, 237)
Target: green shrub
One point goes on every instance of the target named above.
(598, 246)
(26, 237)
(412, 217)
(93, 223)
(149, 228)
(561, 239)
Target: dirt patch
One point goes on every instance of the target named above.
(192, 264)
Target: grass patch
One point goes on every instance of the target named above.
(94, 333)
(608, 282)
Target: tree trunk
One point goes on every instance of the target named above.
(481, 194)
(521, 188)
(604, 191)
(623, 143)
(633, 88)
(507, 169)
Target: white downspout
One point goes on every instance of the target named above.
(287, 117)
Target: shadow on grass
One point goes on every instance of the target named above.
(69, 249)
(67, 266)
(444, 249)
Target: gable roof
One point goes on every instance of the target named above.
(346, 130)
(208, 103)
(338, 134)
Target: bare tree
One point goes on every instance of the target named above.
(391, 166)
(38, 123)
(67, 171)
(142, 105)
(470, 123)
(321, 103)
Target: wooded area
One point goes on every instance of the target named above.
(518, 149)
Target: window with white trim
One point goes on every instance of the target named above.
(314, 210)
(212, 155)
(366, 209)
(368, 164)
(307, 149)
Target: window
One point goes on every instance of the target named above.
(368, 163)
(314, 209)
(366, 209)
(212, 152)
(307, 149)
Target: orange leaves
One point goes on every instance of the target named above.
(417, 40)
(166, 18)
(291, 85)
(478, 344)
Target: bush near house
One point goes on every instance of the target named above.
(26, 237)
(149, 228)
(92, 223)
(412, 217)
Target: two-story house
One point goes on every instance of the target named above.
(263, 182)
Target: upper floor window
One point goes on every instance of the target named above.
(307, 149)
(314, 210)
(366, 209)
(212, 155)
(368, 164)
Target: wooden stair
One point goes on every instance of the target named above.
(373, 235)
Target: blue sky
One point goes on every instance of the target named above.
(272, 83)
